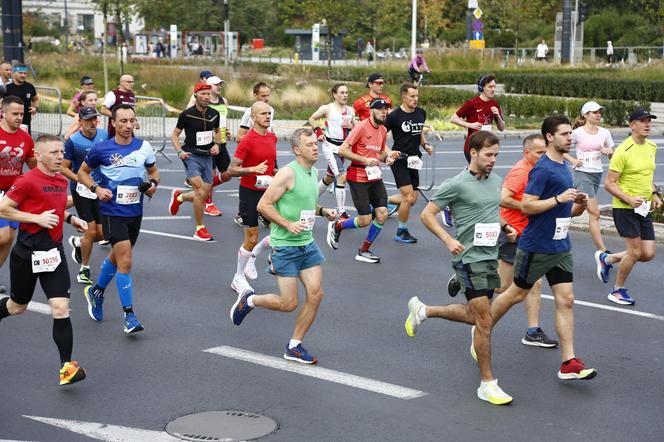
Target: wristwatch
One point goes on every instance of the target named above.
(93, 188)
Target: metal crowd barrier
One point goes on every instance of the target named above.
(151, 115)
(48, 119)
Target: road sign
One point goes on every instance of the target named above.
(478, 36)
(477, 13)
(478, 25)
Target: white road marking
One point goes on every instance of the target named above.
(37, 307)
(115, 433)
(170, 235)
(318, 372)
(613, 309)
(169, 217)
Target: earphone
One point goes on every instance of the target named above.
(480, 83)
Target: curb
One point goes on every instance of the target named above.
(606, 227)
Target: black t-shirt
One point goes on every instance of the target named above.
(406, 129)
(198, 128)
(25, 92)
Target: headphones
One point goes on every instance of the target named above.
(480, 83)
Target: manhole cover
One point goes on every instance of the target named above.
(221, 426)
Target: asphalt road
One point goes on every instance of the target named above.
(182, 296)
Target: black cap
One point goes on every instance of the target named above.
(87, 113)
(205, 74)
(378, 103)
(641, 114)
(86, 80)
(373, 78)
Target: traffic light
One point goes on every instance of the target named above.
(583, 11)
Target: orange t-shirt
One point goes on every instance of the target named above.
(361, 105)
(516, 181)
(368, 141)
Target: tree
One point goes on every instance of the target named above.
(511, 14)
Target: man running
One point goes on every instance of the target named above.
(86, 202)
(473, 196)
(17, 149)
(376, 84)
(407, 125)
(545, 247)
(202, 137)
(123, 94)
(290, 203)
(261, 93)
(26, 91)
(631, 182)
(122, 162)
(365, 148)
(254, 161)
(339, 120)
(37, 200)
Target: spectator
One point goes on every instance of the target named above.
(541, 51)
(87, 84)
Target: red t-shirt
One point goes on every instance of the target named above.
(516, 181)
(361, 105)
(253, 149)
(475, 110)
(35, 192)
(15, 149)
(368, 141)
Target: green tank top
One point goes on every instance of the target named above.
(223, 114)
(295, 204)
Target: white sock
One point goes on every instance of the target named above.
(422, 313)
(84, 267)
(321, 187)
(262, 246)
(492, 381)
(294, 343)
(340, 194)
(77, 241)
(250, 301)
(243, 256)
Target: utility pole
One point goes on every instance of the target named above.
(567, 31)
(66, 26)
(12, 27)
(227, 26)
(413, 30)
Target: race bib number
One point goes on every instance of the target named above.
(592, 160)
(643, 209)
(414, 162)
(486, 234)
(85, 192)
(486, 127)
(373, 173)
(222, 121)
(45, 261)
(203, 138)
(308, 217)
(128, 195)
(262, 181)
(562, 227)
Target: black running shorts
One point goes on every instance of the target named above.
(121, 228)
(56, 284)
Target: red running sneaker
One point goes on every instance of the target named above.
(212, 210)
(202, 234)
(174, 204)
(575, 369)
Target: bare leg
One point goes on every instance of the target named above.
(564, 297)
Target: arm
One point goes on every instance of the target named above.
(236, 169)
(282, 182)
(214, 151)
(532, 205)
(242, 131)
(313, 121)
(423, 142)
(507, 201)
(611, 186)
(73, 128)
(153, 177)
(8, 210)
(346, 152)
(429, 220)
(34, 104)
(109, 101)
(576, 162)
(70, 110)
(175, 139)
(455, 119)
(31, 162)
(500, 123)
(105, 111)
(85, 179)
(67, 172)
(191, 102)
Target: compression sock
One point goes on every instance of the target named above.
(3, 308)
(340, 194)
(64, 338)
(123, 283)
(262, 246)
(108, 270)
(243, 256)
(350, 223)
(403, 226)
(322, 185)
(374, 230)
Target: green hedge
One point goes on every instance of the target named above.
(590, 86)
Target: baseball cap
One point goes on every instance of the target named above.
(87, 113)
(201, 86)
(205, 74)
(378, 103)
(20, 69)
(86, 80)
(214, 80)
(591, 106)
(641, 114)
(373, 78)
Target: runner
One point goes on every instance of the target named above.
(86, 99)
(339, 120)
(365, 147)
(290, 203)
(473, 197)
(261, 93)
(123, 94)
(86, 202)
(511, 197)
(18, 149)
(375, 83)
(203, 77)
(407, 125)
(87, 85)
(37, 200)
(122, 162)
(254, 161)
(5, 73)
(25, 90)
(544, 247)
(630, 181)
(202, 137)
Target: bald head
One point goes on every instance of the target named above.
(127, 82)
(261, 113)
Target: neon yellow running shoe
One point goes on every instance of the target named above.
(412, 321)
(472, 343)
(493, 394)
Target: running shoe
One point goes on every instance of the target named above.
(493, 394)
(413, 321)
(174, 204)
(240, 284)
(453, 286)
(203, 234)
(344, 216)
(603, 267)
(539, 339)
(620, 296)
(95, 299)
(84, 276)
(241, 307)
(263, 220)
(238, 220)
(473, 354)
(299, 354)
(187, 183)
(392, 208)
(212, 210)
(131, 324)
(75, 249)
(575, 369)
(250, 269)
(367, 257)
(104, 242)
(270, 267)
(404, 236)
(446, 215)
(71, 372)
(333, 235)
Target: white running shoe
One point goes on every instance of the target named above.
(413, 321)
(250, 269)
(493, 394)
(240, 284)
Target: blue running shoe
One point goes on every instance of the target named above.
(404, 236)
(95, 298)
(447, 217)
(241, 308)
(603, 267)
(620, 296)
(391, 208)
(299, 354)
(131, 324)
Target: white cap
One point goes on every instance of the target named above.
(214, 80)
(591, 106)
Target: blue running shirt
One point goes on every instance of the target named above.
(76, 149)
